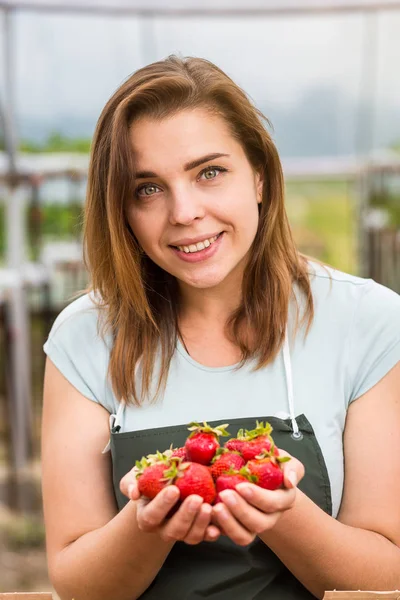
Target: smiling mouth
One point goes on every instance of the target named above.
(193, 248)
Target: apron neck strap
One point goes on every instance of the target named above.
(289, 383)
(115, 423)
(116, 419)
(119, 416)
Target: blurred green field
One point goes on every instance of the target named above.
(324, 223)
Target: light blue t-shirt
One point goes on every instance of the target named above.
(353, 342)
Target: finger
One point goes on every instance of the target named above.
(212, 533)
(251, 518)
(197, 531)
(179, 525)
(293, 470)
(234, 530)
(128, 486)
(214, 521)
(268, 501)
(150, 514)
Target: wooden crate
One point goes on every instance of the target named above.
(26, 596)
(362, 595)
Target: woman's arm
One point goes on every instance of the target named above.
(359, 550)
(94, 552)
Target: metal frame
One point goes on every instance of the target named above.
(191, 8)
(142, 8)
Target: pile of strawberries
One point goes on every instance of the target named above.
(203, 467)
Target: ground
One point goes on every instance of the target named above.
(23, 565)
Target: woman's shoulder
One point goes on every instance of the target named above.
(78, 348)
(361, 320)
(83, 315)
(349, 290)
(322, 274)
(78, 331)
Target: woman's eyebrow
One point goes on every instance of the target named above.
(187, 167)
(199, 161)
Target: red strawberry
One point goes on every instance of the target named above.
(192, 478)
(179, 453)
(225, 461)
(268, 472)
(152, 479)
(229, 481)
(235, 444)
(257, 441)
(202, 443)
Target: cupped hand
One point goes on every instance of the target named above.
(250, 510)
(191, 523)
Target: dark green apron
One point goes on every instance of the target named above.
(222, 570)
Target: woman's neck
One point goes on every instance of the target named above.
(211, 304)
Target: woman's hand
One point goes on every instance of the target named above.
(250, 510)
(189, 524)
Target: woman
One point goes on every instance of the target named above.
(202, 309)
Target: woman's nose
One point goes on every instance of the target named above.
(185, 207)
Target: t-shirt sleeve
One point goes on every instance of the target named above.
(78, 351)
(375, 338)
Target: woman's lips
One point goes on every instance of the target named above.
(200, 255)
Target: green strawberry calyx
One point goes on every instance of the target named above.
(159, 457)
(270, 455)
(245, 472)
(241, 435)
(154, 459)
(169, 452)
(206, 428)
(176, 469)
(260, 430)
(140, 466)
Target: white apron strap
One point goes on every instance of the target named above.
(289, 385)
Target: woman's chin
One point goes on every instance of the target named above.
(202, 281)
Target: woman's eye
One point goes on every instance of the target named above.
(211, 172)
(147, 190)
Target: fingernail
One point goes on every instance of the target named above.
(213, 534)
(170, 494)
(222, 514)
(292, 478)
(194, 504)
(131, 487)
(245, 490)
(228, 497)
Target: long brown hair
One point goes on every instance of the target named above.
(140, 298)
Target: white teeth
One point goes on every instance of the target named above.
(197, 247)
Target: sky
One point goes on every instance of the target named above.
(68, 66)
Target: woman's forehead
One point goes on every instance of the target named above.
(180, 139)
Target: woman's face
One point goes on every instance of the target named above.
(195, 207)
